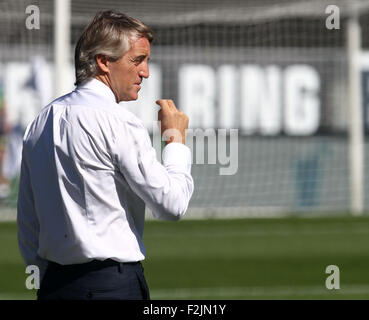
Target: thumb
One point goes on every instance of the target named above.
(163, 104)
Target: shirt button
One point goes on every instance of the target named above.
(89, 295)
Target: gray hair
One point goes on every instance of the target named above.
(110, 34)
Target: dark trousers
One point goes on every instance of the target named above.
(95, 280)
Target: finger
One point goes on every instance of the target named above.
(163, 103)
(171, 104)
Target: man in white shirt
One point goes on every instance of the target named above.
(88, 170)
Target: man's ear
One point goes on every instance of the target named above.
(102, 62)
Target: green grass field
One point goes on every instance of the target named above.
(282, 258)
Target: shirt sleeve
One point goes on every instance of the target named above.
(165, 188)
(27, 221)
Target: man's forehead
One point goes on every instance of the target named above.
(141, 46)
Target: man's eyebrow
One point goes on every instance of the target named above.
(141, 57)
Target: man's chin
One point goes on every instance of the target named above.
(130, 98)
(135, 96)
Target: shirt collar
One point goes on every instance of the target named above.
(99, 88)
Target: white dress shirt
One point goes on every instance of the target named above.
(88, 169)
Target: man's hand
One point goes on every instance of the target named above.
(173, 122)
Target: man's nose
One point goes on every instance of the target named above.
(144, 72)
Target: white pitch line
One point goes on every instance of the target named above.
(246, 233)
(273, 292)
(17, 296)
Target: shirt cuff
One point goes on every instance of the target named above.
(178, 155)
